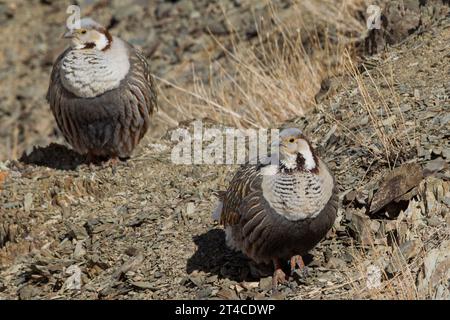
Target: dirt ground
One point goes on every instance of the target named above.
(144, 230)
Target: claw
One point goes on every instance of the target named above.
(113, 162)
(278, 276)
(297, 261)
(92, 161)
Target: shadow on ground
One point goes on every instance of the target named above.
(214, 257)
(54, 156)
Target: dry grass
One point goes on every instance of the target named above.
(384, 112)
(277, 77)
(401, 270)
(385, 134)
(401, 286)
(404, 284)
(263, 82)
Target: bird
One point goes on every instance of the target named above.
(101, 93)
(279, 208)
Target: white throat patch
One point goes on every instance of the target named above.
(102, 42)
(305, 151)
(310, 164)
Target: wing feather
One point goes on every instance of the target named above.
(246, 179)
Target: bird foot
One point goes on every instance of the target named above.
(112, 163)
(279, 277)
(90, 159)
(94, 161)
(297, 261)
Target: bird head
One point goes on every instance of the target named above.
(296, 151)
(90, 35)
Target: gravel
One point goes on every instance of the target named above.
(69, 231)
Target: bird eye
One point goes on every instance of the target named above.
(83, 31)
(291, 140)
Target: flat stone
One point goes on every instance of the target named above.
(77, 232)
(143, 285)
(265, 283)
(435, 165)
(395, 184)
(336, 263)
(410, 249)
(227, 294)
(27, 292)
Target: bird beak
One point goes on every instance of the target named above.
(275, 144)
(69, 34)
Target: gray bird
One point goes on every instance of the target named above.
(101, 93)
(279, 211)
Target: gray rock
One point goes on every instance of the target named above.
(446, 153)
(395, 184)
(434, 280)
(265, 284)
(227, 294)
(360, 225)
(336, 263)
(144, 285)
(198, 280)
(435, 165)
(79, 251)
(434, 221)
(77, 232)
(27, 292)
(410, 249)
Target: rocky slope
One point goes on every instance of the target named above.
(176, 36)
(144, 231)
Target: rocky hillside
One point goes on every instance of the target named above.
(176, 36)
(144, 231)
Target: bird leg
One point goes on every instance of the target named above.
(113, 162)
(297, 261)
(90, 158)
(93, 160)
(278, 276)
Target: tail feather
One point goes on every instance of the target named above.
(220, 194)
(217, 212)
